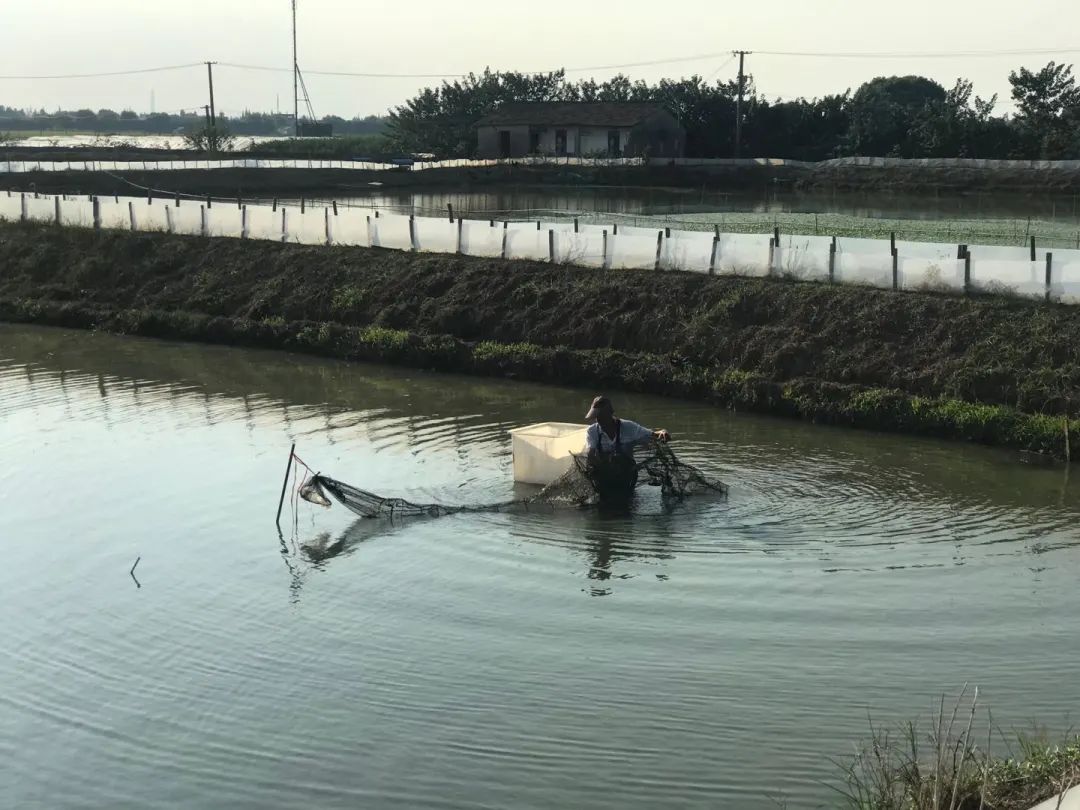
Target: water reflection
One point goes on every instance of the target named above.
(796, 489)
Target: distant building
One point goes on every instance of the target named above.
(580, 129)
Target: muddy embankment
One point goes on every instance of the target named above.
(987, 370)
(348, 182)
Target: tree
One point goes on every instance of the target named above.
(209, 138)
(1049, 110)
(443, 120)
(882, 111)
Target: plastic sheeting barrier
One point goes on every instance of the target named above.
(743, 254)
(930, 274)
(864, 268)
(803, 257)
(11, 207)
(41, 209)
(350, 226)
(687, 250)
(307, 228)
(1067, 282)
(263, 222)
(225, 220)
(188, 219)
(391, 232)
(920, 266)
(527, 244)
(584, 248)
(436, 235)
(1008, 277)
(481, 239)
(628, 251)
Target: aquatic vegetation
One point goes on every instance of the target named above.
(952, 766)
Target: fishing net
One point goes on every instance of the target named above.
(608, 481)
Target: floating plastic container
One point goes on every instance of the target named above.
(542, 453)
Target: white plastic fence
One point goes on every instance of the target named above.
(1054, 276)
(22, 166)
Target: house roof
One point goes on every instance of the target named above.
(570, 113)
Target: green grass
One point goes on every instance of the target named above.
(952, 765)
(346, 147)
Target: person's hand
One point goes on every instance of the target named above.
(662, 436)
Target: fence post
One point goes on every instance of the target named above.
(170, 226)
(284, 225)
(178, 199)
(1033, 256)
(551, 245)
(538, 225)
(832, 261)
(712, 258)
(209, 202)
(97, 214)
(56, 206)
(303, 204)
(603, 261)
(575, 224)
(615, 229)
(131, 214)
(967, 271)
(22, 208)
(412, 232)
(1049, 274)
(369, 241)
(667, 233)
(326, 227)
(659, 248)
(275, 205)
(239, 204)
(772, 254)
(895, 269)
(892, 242)
(460, 225)
(204, 226)
(335, 207)
(450, 209)
(149, 196)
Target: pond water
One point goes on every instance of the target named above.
(648, 201)
(717, 656)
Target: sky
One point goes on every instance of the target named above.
(51, 37)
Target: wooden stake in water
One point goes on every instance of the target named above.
(285, 483)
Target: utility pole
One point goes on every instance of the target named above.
(738, 104)
(295, 75)
(210, 75)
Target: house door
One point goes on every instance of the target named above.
(613, 148)
(504, 143)
(560, 142)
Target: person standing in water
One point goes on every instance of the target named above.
(608, 435)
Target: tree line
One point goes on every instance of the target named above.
(111, 122)
(898, 116)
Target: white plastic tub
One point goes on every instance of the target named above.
(542, 452)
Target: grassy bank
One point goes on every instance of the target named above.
(985, 370)
(951, 764)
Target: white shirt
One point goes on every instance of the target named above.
(630, 435)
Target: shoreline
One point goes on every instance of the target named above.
(813, 352)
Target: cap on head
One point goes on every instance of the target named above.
(600, 405)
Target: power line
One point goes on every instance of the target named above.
(650, 63)
(103, 75)
(919, 55)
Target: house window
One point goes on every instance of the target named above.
(560, 142)
(534, 142)
(504, 143)
(613, 147)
